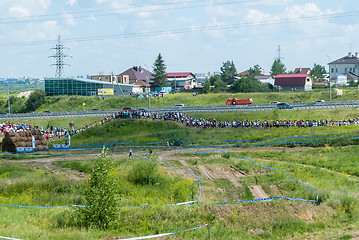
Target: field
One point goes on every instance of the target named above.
(227, 176)
(75, 103)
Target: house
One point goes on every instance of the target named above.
(183, 80)
(302, 71)
(348, 65)
(265, 79)
(134, 74)
(294, 82)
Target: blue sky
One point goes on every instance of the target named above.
(192, 35)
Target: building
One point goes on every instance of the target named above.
(182, 80)
(265, 79)
(294, 82)
(346, 66)
(87, 87)
(135, 74)
(301, 70)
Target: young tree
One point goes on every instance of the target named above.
(228, 71)
(159, 72)
(277, 68)
(100, 195)
(318, 72)
(207, 86)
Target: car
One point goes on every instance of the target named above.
(179, 105)
(129, 109)
(319, 101)
(274, 102)
(46, 111)
(298, 102)
(173, 91)
(143, 110)
(94, 109)
(284, 106)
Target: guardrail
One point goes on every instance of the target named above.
(224, 108)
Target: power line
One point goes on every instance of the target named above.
(131, 10)
(187, 30)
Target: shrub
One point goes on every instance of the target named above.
(100, 197)
(143, 173)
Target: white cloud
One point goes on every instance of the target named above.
(69, 19)
(214, 24)
(19, 11)
(71, 2)
(217, 10)
(256, 16)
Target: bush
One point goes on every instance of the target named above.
(143, 173)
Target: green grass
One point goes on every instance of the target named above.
(270, 220)
(75, 103)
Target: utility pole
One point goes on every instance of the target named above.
(330, 81)
(8, 96)
(59, 56)
(148, 88)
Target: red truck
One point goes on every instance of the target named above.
(236, 101)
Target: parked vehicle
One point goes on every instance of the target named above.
(284, 106)
(274, 102)
(129, 109)
(298, 102)
(319, 101)
(179, 105)
(236, 101)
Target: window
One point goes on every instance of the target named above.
(351, 69)
(332, 70)
(336, 70)
(346, 70)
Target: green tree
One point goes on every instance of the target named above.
(228, 71)
(214, 78)
(277, 68)
(100, 195)
(159, 72)
(248, 84)
(17, 105)
(318, 72)
(35, 100)
(255, 71)
(220, 86)
(207, 86)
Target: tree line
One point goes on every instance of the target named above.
(228, 79)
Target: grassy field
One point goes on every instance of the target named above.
(67, 103)
(336, 215)
(59, 178)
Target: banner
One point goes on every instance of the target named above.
(342, 79)
(105, 91)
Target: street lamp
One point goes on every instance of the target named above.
(330, 80)
(148, 88)
(8, 96)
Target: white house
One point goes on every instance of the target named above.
(348, 66)
(183, 80)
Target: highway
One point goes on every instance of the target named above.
(224, 108)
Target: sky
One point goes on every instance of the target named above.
(198, 36)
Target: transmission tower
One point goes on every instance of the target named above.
(59, 56)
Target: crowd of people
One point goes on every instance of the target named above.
(51, 132)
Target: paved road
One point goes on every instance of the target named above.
(224, 108)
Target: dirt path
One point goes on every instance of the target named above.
(258, 192)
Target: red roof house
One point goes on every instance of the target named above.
(294, 82)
